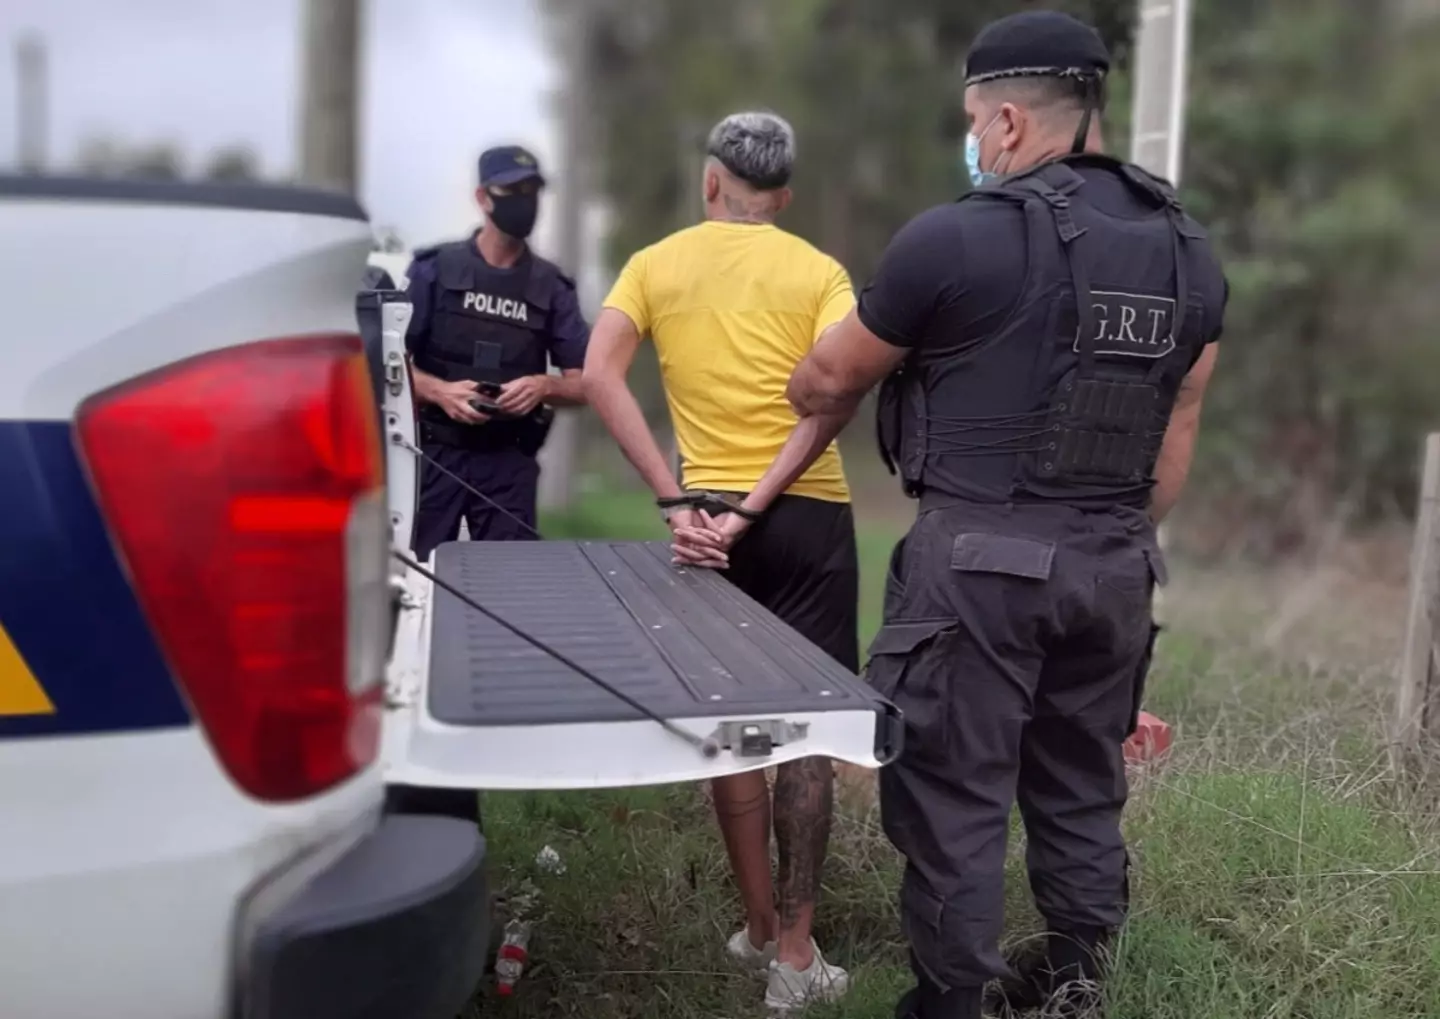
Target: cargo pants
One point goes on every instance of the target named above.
(1016, 640)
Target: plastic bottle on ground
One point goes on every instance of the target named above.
(510, 960)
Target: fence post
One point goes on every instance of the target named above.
(1416, 689)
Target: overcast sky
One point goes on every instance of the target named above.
(444, 79)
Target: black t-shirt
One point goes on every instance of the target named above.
(953, 274)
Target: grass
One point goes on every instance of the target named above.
(1280, 872)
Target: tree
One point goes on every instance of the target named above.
(110, 157)
(1308, 157)
(236, 164)
(106, 157)
(873, 87)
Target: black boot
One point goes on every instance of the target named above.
(1064, 977)
(925, 1002)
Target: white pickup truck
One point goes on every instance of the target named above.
(212, 667)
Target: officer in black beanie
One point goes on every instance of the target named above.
(1045, 343)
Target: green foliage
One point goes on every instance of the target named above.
(1310, 156)
(1307, 134)
(873, 88)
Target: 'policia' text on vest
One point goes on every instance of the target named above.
(501, 307)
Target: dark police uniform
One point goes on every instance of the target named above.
(475, 321)
(1050, 318)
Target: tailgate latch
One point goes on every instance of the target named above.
(755, 738)
(394, 371)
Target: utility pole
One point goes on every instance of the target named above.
(1162, 59)
(561, 451)
(32, 103)
(1157, 132)
(330, 107)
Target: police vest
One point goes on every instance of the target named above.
(1068, 400)
(489, 325)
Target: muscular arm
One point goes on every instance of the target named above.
(843, 366)
(893, 317)
(613, 344)
(1178, 448)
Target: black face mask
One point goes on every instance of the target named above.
(515, 214)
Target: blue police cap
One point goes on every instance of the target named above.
(1037, 44)
(508, 164)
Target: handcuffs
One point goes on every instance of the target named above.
(714, 503)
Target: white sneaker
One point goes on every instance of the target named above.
(789, 988)
(743, 951)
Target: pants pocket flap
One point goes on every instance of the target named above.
(1001, 553)
(902, 638)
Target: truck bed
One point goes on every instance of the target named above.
(683, 642)
(483, 708)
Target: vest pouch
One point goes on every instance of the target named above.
(914, 436)
(1103, 429)
(887, 419)
(533, 430)
(483, 349)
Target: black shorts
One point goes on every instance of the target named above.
(799, 561)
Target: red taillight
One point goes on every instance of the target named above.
(244, 490)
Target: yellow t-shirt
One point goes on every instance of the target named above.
(732, 308)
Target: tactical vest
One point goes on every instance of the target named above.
(1068, 400)
(489, 325)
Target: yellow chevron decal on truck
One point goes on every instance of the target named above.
(20, 692)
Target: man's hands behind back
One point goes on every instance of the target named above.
(703, 540)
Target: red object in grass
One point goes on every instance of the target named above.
(1151, 740)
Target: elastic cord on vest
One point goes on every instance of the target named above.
(946, 434)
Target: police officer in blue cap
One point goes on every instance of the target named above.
(490, 318)
(1046, 342)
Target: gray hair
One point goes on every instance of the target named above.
(757, 146)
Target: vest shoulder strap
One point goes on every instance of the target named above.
(455, 267)
(544, 277)
(1057, 198)
(1157, 188)
(1162, 193)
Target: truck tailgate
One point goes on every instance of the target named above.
(480, 707)
(612, 667)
